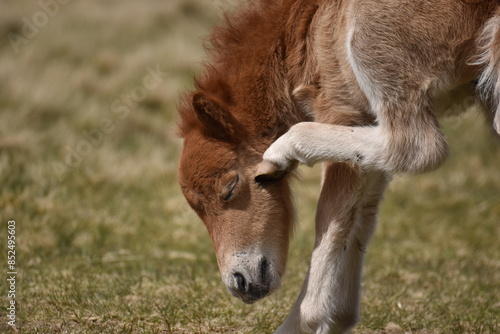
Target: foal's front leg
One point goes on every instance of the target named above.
(311, 142)
(345, 220)
(413, 143)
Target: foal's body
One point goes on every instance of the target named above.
(359, 79)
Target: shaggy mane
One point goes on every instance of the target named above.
(236, 50)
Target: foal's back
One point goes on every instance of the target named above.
(391, 47)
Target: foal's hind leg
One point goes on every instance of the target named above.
(345, 220)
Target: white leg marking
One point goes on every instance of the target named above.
(309, 143)
(329, 300)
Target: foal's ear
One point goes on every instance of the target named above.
(216, 120)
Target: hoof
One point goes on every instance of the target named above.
(268, 171)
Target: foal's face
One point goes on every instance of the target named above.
(249, 222)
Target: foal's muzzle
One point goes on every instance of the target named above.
(253, 282)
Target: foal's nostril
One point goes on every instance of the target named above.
(241, 282)
(263, 270)
(252, 283)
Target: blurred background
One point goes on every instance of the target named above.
(105, 242)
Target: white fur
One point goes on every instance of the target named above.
(310, 142)
(489, 59)
(366, 86)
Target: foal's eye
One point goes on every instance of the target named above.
(228, 192)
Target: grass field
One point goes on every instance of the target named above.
(105, 242)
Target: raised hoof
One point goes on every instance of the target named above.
(268, 171)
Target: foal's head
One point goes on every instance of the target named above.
(248, 220)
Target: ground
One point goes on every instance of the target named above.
(105, 242)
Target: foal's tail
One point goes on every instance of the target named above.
(489, 59)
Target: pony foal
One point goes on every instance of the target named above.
(353, 84)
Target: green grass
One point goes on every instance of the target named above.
(110, 246)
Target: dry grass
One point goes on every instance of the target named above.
(109, 245)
